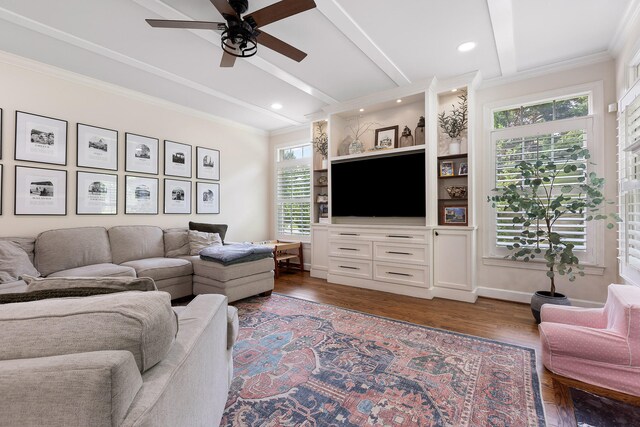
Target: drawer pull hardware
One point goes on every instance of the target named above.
(399, 236)
(349, 249)
(399, 253)
(349, 267)
(349, 234)
(400, 274)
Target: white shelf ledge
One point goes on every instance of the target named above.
(378, 153)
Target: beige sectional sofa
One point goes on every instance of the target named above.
(142, 251)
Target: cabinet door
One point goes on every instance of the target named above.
(453, 259)
(319, 251)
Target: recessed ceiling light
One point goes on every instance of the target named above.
(362, 110)
(466, 47)
(276, 106)
(399, 101)
(454, 90)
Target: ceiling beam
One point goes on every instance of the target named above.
(350, 28)
(629, 17)
(133, 62)
(501, 13)
(167, 12)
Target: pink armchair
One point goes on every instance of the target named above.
(599, 346)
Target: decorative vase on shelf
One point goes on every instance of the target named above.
(454, 146)
(356, 147)
(419, 134)
(325, 163)
(406, 140)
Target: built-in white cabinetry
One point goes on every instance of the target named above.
(319, 251)
(389, 258)
(453, 256)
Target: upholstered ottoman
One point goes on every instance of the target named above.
(236, 281)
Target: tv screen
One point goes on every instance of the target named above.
(389, 186)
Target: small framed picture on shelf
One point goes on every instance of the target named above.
(386, 137)
(463, 169)
(40, 139)
(446, 168)
(454, 215)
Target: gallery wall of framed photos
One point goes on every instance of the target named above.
(126, 159)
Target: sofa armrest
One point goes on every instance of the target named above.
(578, 316)
(233, 326)
(81, 389)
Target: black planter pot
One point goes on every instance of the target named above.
(544, 297)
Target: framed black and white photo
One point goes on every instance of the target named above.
(177, 159)
(463, 169)
(40, 191)
(97, 147)
(208, 166)
(40, 139)
(96, 193)
(208, 198)
(177, 196)
(141, 154)
(387, 137)
(141, 195)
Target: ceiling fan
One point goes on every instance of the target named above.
(241, 35)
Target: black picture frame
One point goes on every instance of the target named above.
(202, 166)
(188, 198)
(21, 187)
(46, 138)
(188, 159)
(96, 188)
(387, 132)
(108, 164)
(129, 153)
(200, 203)
(128, 194)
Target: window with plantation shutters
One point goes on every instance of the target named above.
(293, 192)
(526, 133)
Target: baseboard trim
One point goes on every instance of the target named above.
(455, 294)
(525, 297)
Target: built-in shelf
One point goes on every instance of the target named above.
(452, 176)
(320, 170)
(453, 156)
(378, 153)
(452, 200)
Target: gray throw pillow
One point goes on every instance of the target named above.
(14, 262)
(221, 229)
(199, 240)
(116, 283)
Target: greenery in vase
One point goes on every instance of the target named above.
(540, 199)
(456, 122)
(321, 140)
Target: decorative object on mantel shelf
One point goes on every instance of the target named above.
(455, 123)
(322, 198)
(457, 191)
(358, 130)
(321, 142)
(419, 133)
(406, 140)
(323, 180)
(386, 138)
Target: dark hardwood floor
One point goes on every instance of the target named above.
(499, 320)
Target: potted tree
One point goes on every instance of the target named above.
(538, 196)
(455, 123)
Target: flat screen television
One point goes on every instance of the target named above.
(386, 186)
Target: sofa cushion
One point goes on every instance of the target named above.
(26, 243)
(198, 240)
(63, 249)
(221, 273)
(13, 287)
(14, 262)
(176, 242)
(221, 229)
(161, 268)
(119, 283)
(97, 270)
(133, 242)
(140, 322)
(233, 326)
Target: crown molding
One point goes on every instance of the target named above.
(595, 58)
(630, 16)
(69, 76)
(132, 62)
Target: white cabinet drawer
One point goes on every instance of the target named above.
(411, 236)
(391, 252)
(405, 274)
(350, 249)
(350, 267)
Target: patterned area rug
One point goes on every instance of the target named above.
(597, 411)
(299, 363)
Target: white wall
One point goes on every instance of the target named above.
(36, 88)
(518, 282)
(630, 47)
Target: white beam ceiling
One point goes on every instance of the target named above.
(501, 12)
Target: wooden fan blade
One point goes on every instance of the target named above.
(280, 10)
(227, 60)
(191, 25)
(279, 46)
(223, 7)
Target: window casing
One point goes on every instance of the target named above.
(525, 132)
(293, 192)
